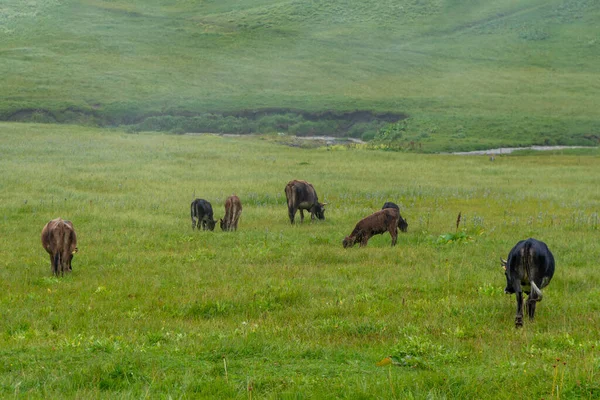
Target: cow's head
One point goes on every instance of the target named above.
(319, 209)
(348, 242)
(508, 289)
(402, 224)
(222, 224)
(210, 224)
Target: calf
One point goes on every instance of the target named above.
(385, 220)
(529, 268)
(402, 224)
(233, 210)
(301, 195)
(60, 241)
(202, 215)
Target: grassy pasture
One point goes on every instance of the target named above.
(474, 74)
(153, 309)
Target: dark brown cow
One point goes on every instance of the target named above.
(301, 195)
(385, 220)
(60, 241)
(233, 210)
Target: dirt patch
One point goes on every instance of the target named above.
(508, 150)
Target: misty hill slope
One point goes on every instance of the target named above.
(473, 73)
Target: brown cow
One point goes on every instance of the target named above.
(233, 210)
(385, 220)
(60, 241)
(301, 195)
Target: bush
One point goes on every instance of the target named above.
(367, 136)
(277, 123)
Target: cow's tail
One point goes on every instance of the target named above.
(66, 247)
(537, 291)
(528, 254)
(290, 195)
(235, 215)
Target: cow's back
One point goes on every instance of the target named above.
(201, 208)
(389, 204)
(531, 256)
(543, 259)
(378, 222)
(233, 210)
(301, 194)
(52, 235)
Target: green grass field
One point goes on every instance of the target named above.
(469, 75)
(156, 310)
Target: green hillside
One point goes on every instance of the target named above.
(467, 74)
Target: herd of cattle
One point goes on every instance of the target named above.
(529, 267)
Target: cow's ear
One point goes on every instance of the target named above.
(503, 263)
(324, 204)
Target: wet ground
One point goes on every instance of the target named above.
(508, 150)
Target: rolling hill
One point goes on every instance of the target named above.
(459, 75)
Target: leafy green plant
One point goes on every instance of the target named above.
(456, 237)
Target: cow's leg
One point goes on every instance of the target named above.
(68, 259)
(55, 264)
(364, 240)
(519, 317)
(531, 301)
(301, 215)
(193, 219)
(291, 214)
(65, 261)
(394, 233)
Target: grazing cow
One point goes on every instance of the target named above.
(402, 224)
(301, 195)
(60, 241)
(529, 268)
(233, 210)
(385, 220)
(202, 215)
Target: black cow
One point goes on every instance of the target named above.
(529, 269)
(301, 195)
(402, 224)
(202, 215)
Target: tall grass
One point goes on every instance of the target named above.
(154, 309)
